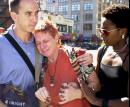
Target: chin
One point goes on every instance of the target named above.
(44, 54)
(31, 29)
(108, 44)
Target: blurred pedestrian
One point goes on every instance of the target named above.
(2, 30)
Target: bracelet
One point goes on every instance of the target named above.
(105, 103)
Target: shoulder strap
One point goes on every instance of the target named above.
(101, 52)
(21, 53)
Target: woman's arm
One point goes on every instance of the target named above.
(70, 93)
(90, 96)
(93, 82)
(73, 91)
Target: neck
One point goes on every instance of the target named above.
(120, 46)
(22, 35)
(54, 57)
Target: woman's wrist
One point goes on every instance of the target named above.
(79, 94)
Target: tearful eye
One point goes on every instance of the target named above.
(38, 43)
(45, 41)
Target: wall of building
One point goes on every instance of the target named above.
(85, 20)
(63, 24)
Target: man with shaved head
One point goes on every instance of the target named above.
(12, 67)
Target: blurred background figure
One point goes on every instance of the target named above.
(2, 30)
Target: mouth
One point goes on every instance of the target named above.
(105, 40)
(42, 53)
(45, 51)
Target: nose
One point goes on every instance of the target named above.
(104, 33)
(34, 19)
(102, 36)
(43, 45)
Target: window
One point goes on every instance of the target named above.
(50, 1)
(88, 17)
(75, 17)
(75, 7)
(87, 27)
(76, 28)
(62, 1)
(62, 28)
(63, 8)
(88, 6)
(51, 8)
(66, 16)
(69, 29)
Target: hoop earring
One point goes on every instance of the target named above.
(123, 36)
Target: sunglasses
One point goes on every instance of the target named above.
(106, 32)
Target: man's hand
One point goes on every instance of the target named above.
(43, 95)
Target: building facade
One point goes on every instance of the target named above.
(102, 4)
(65, 26)
(83, 12)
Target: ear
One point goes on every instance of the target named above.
(124, 31)
(13, 16)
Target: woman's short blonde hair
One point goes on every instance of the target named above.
(46, 26)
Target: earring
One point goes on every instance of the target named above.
(123, 36)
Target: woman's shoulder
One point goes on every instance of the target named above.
(63, 52)
(67, 54)
(102, 50)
